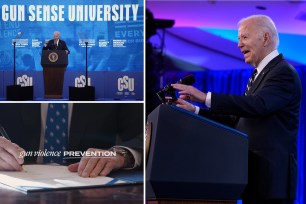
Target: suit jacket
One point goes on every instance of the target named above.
(52, 46)
(92, 126)
(270, 117)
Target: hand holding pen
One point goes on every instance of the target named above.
(10, 153)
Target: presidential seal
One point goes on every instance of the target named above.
(53, 57)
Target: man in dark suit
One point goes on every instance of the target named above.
(268, 112)
(98, 126)
(56, 43)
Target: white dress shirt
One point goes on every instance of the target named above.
(260, 67)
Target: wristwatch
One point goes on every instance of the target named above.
(128, 157)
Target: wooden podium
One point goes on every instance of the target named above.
(193, 160)
(54, 63)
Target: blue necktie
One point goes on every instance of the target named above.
(56, 132)
(250, 82)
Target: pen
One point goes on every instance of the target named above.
(3, 133)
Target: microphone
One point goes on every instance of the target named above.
(168, 90)
(187, 80)
(19, 34)
(17, 37)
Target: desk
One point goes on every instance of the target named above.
(132, 193)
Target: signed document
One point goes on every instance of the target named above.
(51, 177)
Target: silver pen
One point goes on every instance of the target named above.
(3, 133)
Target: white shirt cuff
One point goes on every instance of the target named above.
(208, 100)
(197, 110)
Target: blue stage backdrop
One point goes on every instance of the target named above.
(113, 29)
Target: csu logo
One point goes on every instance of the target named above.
(125, 83)
(81, 81)
(25, 80)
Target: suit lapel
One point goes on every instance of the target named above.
(77, 126)
(264, 72)
(31, 119)
(30, 115)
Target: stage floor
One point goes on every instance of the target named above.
(66, 99)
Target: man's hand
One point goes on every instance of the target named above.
(97, 166)
(10, 156)
(46, 43)
(190, 93)
(185, 105)
(67, 52)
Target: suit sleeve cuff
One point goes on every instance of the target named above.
(137, 156)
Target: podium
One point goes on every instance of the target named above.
(54, 63)
(191, 159)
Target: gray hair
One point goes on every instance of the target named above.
(265, 24)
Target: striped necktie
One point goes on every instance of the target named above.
(250, 82)
(56, 132)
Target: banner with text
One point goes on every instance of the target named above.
(108, 85)
(113, 30)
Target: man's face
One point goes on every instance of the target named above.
(251, 43)
(56, 36)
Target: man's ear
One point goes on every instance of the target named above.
(267, 39)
